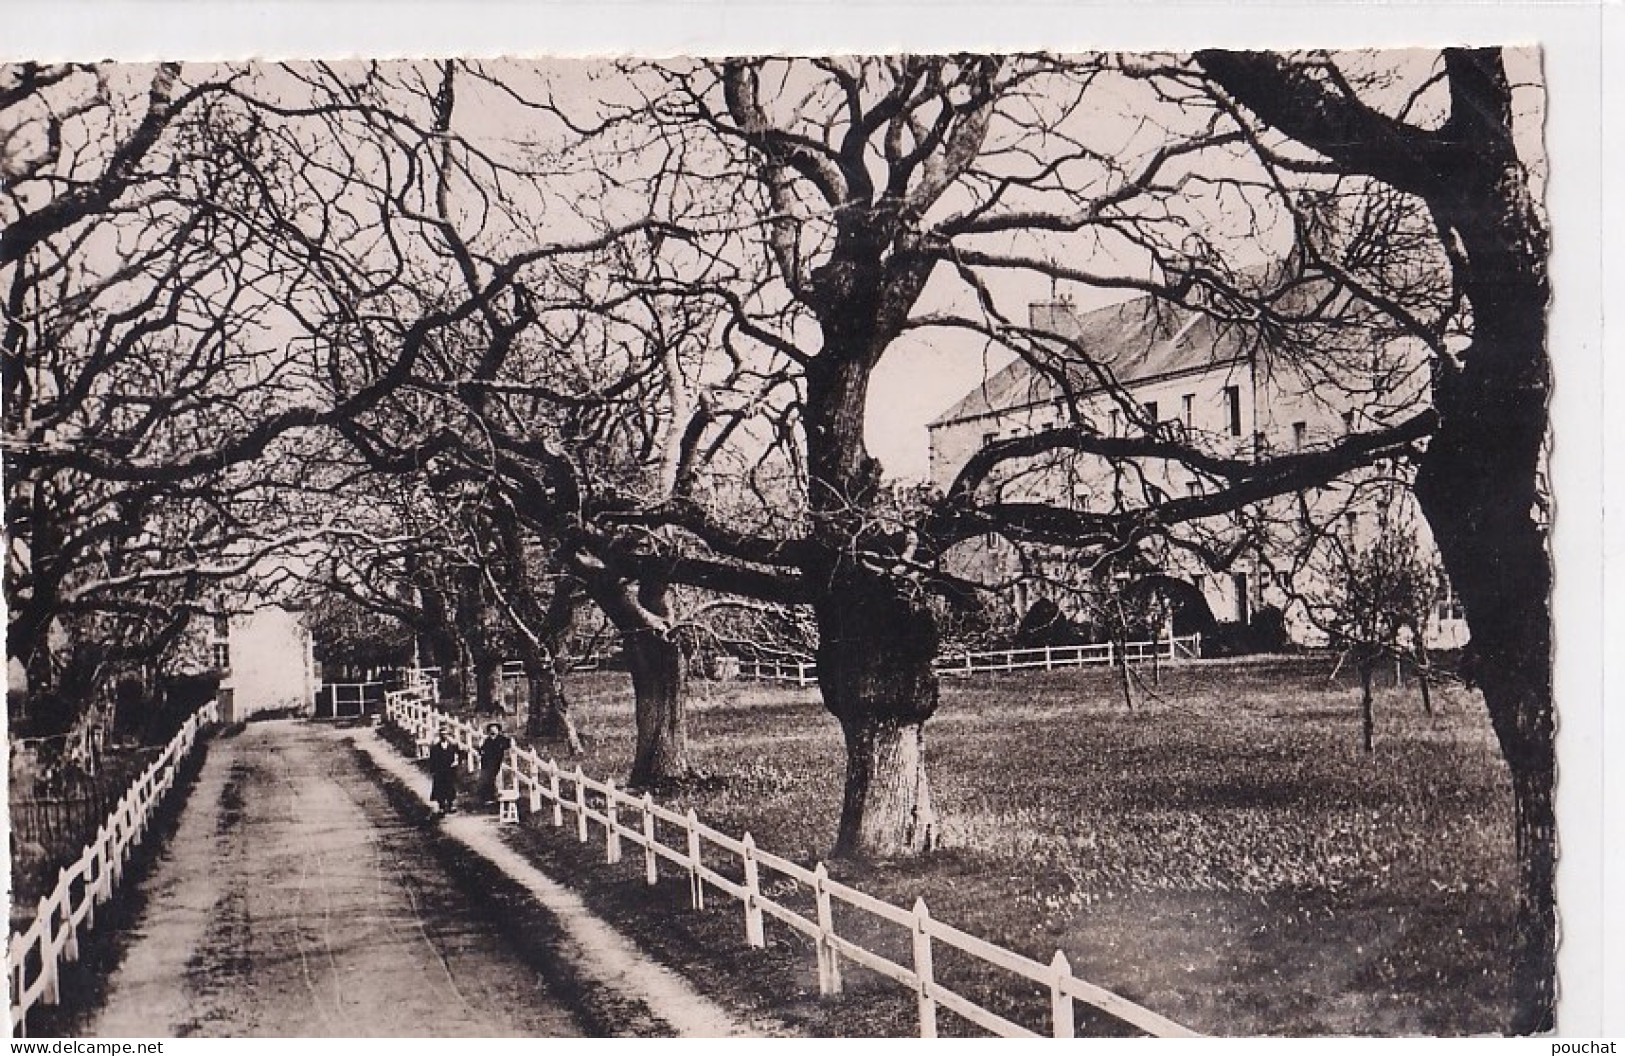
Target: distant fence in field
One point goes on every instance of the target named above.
(1044, 658)
(515, 669)
(702, 853)
(36, 954)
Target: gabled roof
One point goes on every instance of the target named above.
(1135, 341)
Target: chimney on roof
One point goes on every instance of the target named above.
(1056, 316)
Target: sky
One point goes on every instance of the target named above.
(914, 383)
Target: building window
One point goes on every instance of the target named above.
(1151, 411)
(1194, 488)
(1244, 610)
(1232, 408)
(1300, 435)
(1187, 410)
(1116, 423)
(222, 655)
(221, 625)
(1348, 421)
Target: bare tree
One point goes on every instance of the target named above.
(1457, 145)
(839, 191)
(1379, 586)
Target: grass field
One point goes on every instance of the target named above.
(1224, 854)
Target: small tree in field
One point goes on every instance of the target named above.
(1380, 587)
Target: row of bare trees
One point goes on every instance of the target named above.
(477, 345)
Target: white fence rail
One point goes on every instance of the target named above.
(735, 867)
(425, 680)
(350, 699)
(1045, 658)
(515, 669)
(36, 954)
(797, 672)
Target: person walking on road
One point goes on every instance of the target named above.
(444, 759)
(493, 750)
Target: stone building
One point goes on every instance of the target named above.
(265, 661)
(1128, 367)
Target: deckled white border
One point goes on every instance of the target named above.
(1577, 37)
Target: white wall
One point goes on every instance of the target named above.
(271, 664)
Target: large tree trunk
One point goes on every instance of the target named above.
(655, 660)
(482, 664)
(1535, 968)
(547, 714)
(1479, 486)
(877, 637)
(658, 692)
(487, 680)
(886, 804)
(659, 688)
(1503, 577)
(876, 647)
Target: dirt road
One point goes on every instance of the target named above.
(295, 900)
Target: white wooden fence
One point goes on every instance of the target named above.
(700, 853)
(426, 680)
(797, 672)
(36, 954)
(350, 699)
(515, 669)
(1046, 658)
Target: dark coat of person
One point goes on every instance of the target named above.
(444, 759)
(493, 750)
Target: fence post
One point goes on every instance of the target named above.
(1049, 659)
(968, 668)
(535, 782)
(47, 954)
(121, 829)
(16, 961)
(115, 858)
(922, 970)
(87, 869)
(70, 933)
(581, 805)
(558, 798)
(696, 883)
(612, 825)
(651, 866)
(103, 890)
(829, 962)
(753, 897)
(1060, 1002)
